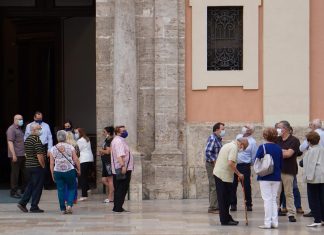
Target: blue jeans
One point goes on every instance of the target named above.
(65, 180)
(297, 199)
(35, 177)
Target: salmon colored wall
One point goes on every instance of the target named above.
(316, 59)
(228, 104)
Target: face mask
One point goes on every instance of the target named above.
(20, 122)
(222, 134)
(68, 129)
(76, 136)
(39, 122)
(244, 129)
(279, 132)
(124, 134)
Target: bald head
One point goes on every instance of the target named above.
(18, 119)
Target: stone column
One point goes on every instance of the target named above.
(125, 83)
(167, 160)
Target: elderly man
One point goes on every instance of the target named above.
(223, 173)
(290, 150)
(315, 125)
(35, 164)
(47, 142)
(213, 146)
(244, 161)
(16, 153)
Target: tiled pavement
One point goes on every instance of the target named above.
(185, 217)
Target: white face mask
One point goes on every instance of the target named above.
(76, 136)
(222, 134)
(279, 131)
(244, 130)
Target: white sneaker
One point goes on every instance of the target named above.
(314, 225)
(274, 225)
(82, 199)
(264, 227)
(106, 200)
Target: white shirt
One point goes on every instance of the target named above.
(304, 146)
(45, 137)
(85, 150)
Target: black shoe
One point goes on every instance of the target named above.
(15, 195)
(36, 210)
(230, 223)
(249, 208)
(309, 214)
(292, 218)
(23, 208)
(234, 221)
(233, 208)
(280, 213)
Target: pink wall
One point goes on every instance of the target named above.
(228, 104)
(316, 59)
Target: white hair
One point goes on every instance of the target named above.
(317, 123)
(61, 136)
(33, 127)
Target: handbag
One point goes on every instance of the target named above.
(264, 166)
(119, 174)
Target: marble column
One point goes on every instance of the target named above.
(125, 83)
(167, 159)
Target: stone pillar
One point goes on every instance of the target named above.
(166, 171)
(125, 83)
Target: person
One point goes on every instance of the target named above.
(107, 178)
(315, 125)
(86, 161)
(64, 167)
(68, 127)
(313, 163)
(269, 184)
(290, 150)
(213, 146)
(121, 159)
(47, 142)
(70, 140)
(245, 160)
(35, 164)
(16, 153)
(223, 174)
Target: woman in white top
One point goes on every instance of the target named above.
(86, 160)
(64, 163)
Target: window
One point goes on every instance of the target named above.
(224, 38)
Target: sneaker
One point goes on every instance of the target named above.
(69, 210)
(106, 200)
(37, 210)
(309, 214)
(274, 225)
(233, 208)
(292, 218)
(300, 211)
(314, 225)
(213, 211)
(81, 199)
(264, 227)
(23, 208)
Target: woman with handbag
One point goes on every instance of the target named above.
(122, 167)
(269, 184)
(64, 165)
(107, 177)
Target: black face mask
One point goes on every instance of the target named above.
(68, 129)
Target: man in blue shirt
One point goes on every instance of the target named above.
(47, 142)
(213, 146)
(244, 161)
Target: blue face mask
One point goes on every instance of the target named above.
(124, 134)
(39, 122)
(20, 122)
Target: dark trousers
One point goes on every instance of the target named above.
(84, 182)
(121, 188)
(316, 201)
(18, 168)
(223, 190)
(245, 169)
(35, 178)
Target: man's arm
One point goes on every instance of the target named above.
(304, 146)
(41, 160)
(233, 166)
(287, 153)
(12, 151)
(49, 138)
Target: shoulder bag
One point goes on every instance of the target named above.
(264, 166)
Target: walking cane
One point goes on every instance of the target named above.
(245, 209)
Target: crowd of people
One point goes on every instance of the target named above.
(38, 162)
(228, 164)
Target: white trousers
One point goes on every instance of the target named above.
(269, 192)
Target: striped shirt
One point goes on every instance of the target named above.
(33, 146)
(120, 148)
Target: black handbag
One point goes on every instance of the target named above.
(119, 174)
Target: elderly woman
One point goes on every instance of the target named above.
(64, 166)
(269, 184)
(313, 162)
